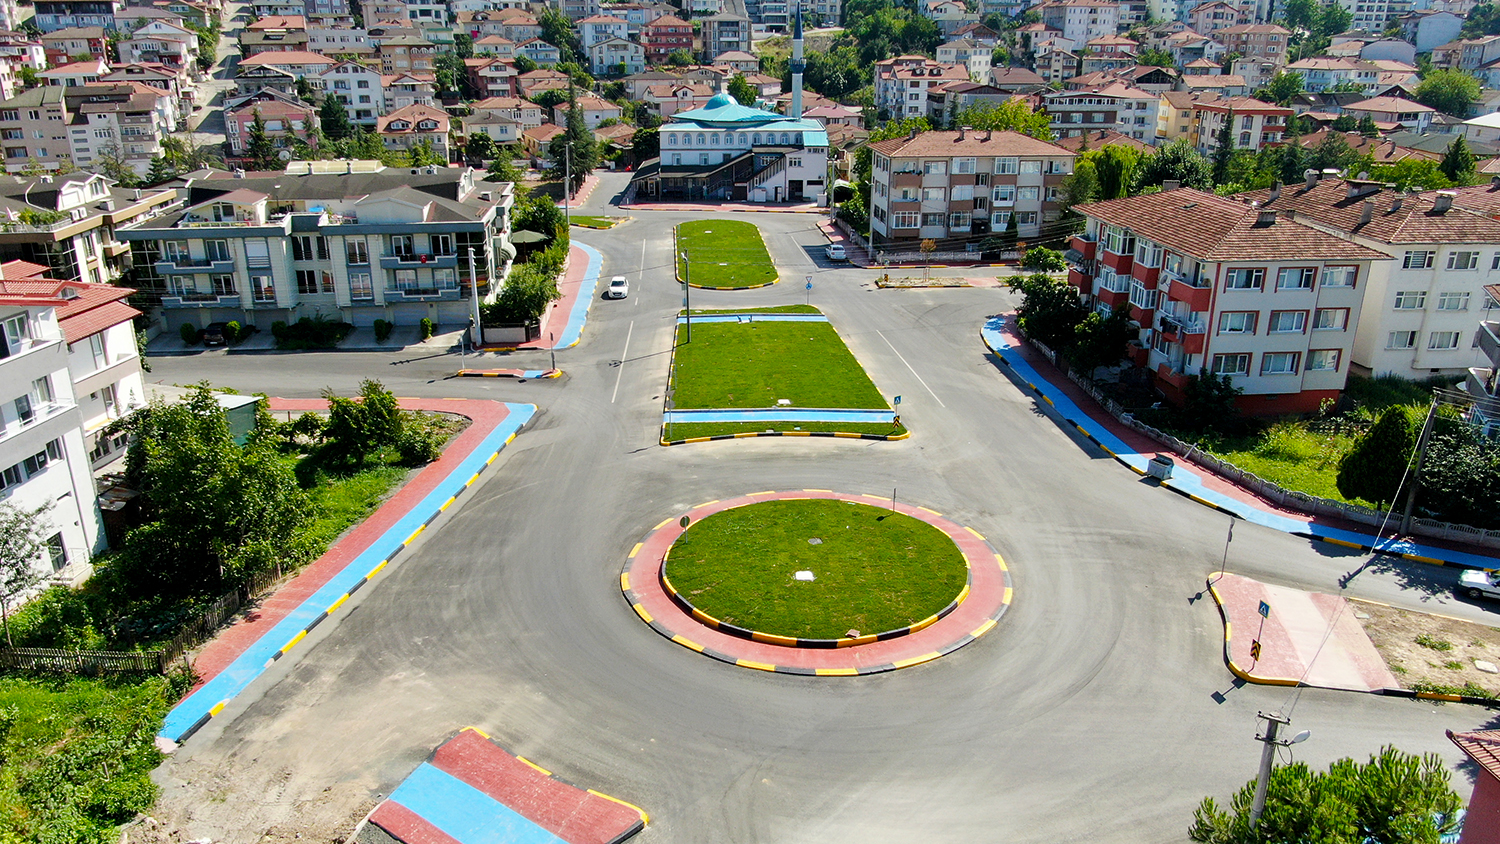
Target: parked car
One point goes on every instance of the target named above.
(835, 252)
(619, 288)
(213, 334)
(1478, 583)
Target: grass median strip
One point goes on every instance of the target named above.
(753, 365)
(723, 253)
(874, 570)
(775, 309)
(689, 430)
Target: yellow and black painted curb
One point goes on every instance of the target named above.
(1229, 659)
(645, 819)
(505, 373)
(848, 435)
(737, 287)
(795, 642)
(361, 583)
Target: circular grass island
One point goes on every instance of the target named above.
(873, 570)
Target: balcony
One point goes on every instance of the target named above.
(1478, 384)
(1119, 263)
(193, 299)
(1114, 299)
(1193, 339)
(1488, 338)
(1085, 245)
(190, 266)
(1147, 276)
(115, 249)
(1176, 379)
(422, 294)
(1079, 279)
(408, 262)
(1142, 316)
(1196, 298)
(1138, 355)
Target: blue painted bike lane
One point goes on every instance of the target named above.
(195, 710)
(1189, 480)
(578, 314)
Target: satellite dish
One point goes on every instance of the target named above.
(284, 155)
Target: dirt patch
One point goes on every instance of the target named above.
(1432, 653)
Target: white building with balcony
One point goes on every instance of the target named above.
(1481, 382)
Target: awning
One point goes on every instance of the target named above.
(503, 247)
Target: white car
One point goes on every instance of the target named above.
(835, 252)
(1478, 583)
(619, 288)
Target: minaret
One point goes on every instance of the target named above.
(796, 108)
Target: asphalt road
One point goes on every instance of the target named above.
(1099, 710)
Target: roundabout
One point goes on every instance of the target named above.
(929, 585)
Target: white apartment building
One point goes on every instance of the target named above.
(1217, 284)
(976, 57)
(1115, 106)
(902, 83)
(958, 186)
(356, 86)
(596, 28)
(1256, 124)
(1081, 21)
(1320, 74)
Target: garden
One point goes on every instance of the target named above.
(756, 364)
(723, 254)
(215, 518)
(873, 570)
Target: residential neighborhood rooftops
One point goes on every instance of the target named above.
(970, 142)
(1395, 216)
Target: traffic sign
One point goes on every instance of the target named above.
(898, 399)
(1265, 610)
(1255, 649)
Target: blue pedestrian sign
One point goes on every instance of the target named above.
(1265, 610)
(898, 399)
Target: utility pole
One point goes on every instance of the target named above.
(1272, 740)
(478, 330)
(1416, 472)
(687, 297)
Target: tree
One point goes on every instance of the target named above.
(679, 58)
(1333, 153)
(743, 92)
(161, 171)
(1300, 14)
(1412, 174)
(1116, 166)
(502, 169)
(110, 160)
(1224, 149)
(1040, 259)
(1395, 798)
(1375, 466)
(1367, 127)
(1483, 19)
(524, 64)
(550, 98)
(1049, 311)
(463, 45)
(479, 149)
(1082, 185)
(20, 546)
(1344, 123)
(1458, 162)
(1010, 116)
(537, 213)
(576, 147)
(1293, 162)
(28, 76)
(1209, 404)
(261, 150)
(305, 90)
(184, 153)
(1333, 19)
(1461, 478)
(1449, 91)
(423, 155)
(356, 430)
(335, 119)
(1283, 86)
(1177, 161)
(559, 31)
(1100, 340)
(1155, 58)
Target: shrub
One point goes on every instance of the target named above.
(426, 328)
(1375, 466)
(308, 426)
(1040, 259)
(382, 330)
(189, 333)
(278, 330)
(419, 445)
(233, 332)
(311, 333)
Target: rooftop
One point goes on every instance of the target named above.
(965, 143)
(1396, 217)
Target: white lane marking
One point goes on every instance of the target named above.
(623, 354)
(913, 371)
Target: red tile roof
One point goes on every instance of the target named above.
(1214, 228)
(975, 142)
(1415, 221)
(95, 320)
(92, 309)
(1483, 746)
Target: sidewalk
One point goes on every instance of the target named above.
(1307, 638)
(241, 653)
(710, 207)
(1135, 450)
(562, 324)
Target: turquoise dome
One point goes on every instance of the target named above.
(719, 101)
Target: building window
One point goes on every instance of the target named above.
(1148, 254)
(1142, 298)
(1339, 276)
(932, 219)
(959, 221)
(1237, 322)
(1029, 194)
(1323, 360)
(1031, 166)
(1007, 166)
(1287, 322)
(1463, 260)
(1411, 300)
(307, 281)
(904, 220)
(1004, 194)
(1244, 278)
(1295, 278)
(1236, 364)
(1331, 319)
(1401, 340)
(934, 194)
(1442, 340)
(360, 287)
(357, 252)
(1000, 220)
(1419, 259)
(1119, 241)
(1279, 363)
(935, 168)
(1453, 301)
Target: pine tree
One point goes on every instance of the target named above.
(1224, 149)
(335, 119)
(261, 151)
(1458, 162)
(575, 148)
(1368, 128)
(161, 170)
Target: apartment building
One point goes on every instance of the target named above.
(616, 56)
(1256, 41)
(1057, 65)
(664, 35)
(124, 119)
(724, 33)
(1372, 15)
(539, 51)
(1220, 285)
(1481, 382)
(42, 450)
(406, 128)
(1394, 114)
(1117, 106)
(1255, 124)
(286, 119)
(358, 87)
(340, 41)
(957, 187)
(1081, 21)
(1417, 315)
(576, 9)
(405, 54)
(393, 244)
(1176, 115)
(161, 43)
(596, 28)
(404, 89)
(1212, 17)
(65, 45)
(296, 63)
(1320, 74)
(902, 83)
(52, 15)
(594, 109)
(976, 57)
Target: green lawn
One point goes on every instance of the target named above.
(596, 222)
(688, 430)
(1290, 455)
(774, 309)
(723, 253)
(731, 364)
(875, 570)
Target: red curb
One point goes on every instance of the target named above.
(227, 646)
(989, 597)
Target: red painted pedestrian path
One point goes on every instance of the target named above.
(555, 319)
(989, 596)
(483, 417)
(1306, 638)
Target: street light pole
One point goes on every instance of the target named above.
(1272, 740)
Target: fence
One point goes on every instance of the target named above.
(159, 660)
(1275, 494)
